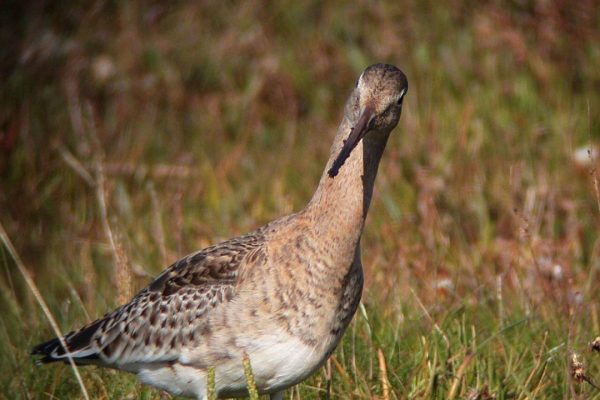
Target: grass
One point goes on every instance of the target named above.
(132, 134)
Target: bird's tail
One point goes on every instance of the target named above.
(80, 347)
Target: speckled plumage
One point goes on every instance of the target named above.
(283, 294)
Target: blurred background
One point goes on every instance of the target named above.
(132, 133)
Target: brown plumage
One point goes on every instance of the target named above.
(283, 294)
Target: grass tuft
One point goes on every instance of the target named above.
(211, 391)
(250, 382)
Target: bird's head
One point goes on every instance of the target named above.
(373, 107)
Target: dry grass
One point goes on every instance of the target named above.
(131, 134)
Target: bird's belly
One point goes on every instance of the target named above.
(177, 379)
(278, 361)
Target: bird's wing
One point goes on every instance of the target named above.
(165, 316)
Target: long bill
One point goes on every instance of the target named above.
(356, 134)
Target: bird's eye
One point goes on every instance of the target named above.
(358, 80)
(399, 101)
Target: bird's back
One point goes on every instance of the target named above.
(165, 317)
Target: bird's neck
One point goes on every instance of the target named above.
(339, 206)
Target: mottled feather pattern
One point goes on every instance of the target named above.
(165, 316)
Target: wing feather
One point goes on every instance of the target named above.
(163, 317)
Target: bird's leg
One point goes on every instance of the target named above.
(277, 396)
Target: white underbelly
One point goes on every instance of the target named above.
(278, 361)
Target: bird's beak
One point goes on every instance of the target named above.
(358, 132)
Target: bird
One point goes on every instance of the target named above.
(281, 295)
